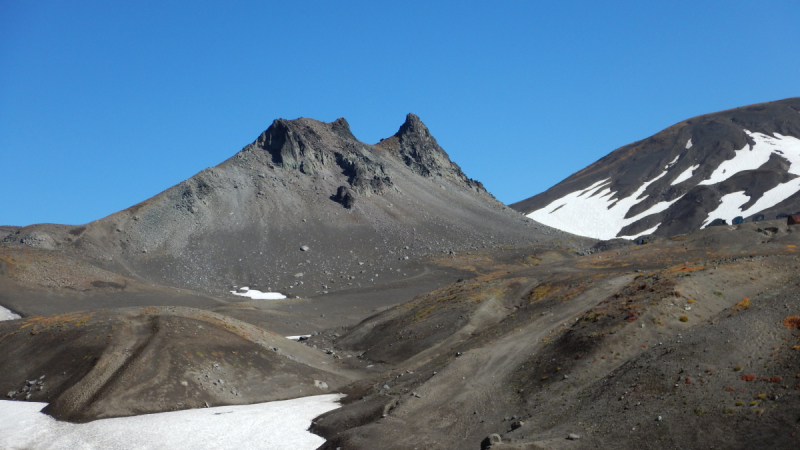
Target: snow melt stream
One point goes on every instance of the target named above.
(268, 426)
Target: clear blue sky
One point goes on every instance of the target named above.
(104, 104)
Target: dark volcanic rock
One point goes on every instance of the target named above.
(345, 197)
(415, 146)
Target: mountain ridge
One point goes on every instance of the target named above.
(225, 226)
(673, 168)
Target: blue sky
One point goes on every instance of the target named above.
(105, 104)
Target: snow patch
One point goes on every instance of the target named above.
(729, 207)
(6, 314)
(685, 175)
(787, 147)
(269, 426)
(667, 167)
(297, 338)
(258, 295)
(650, 231)
(593, 212)
(748, 158)
(593, 215)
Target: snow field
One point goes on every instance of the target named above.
(591, 212)
(268, 426)
(6, 314)
(685, 175)
(787, 147)
(258, 295)
(297, 338)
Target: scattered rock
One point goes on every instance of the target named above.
(573, 437)
(304, 248)
(490, 440)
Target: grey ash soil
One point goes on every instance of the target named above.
(600, 346)
(110, 363)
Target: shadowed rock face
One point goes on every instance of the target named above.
(415, 146)
(676, 161)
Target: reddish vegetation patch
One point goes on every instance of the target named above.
(792, 322)
(744, 304)
(775, 379)
(729, 389)
(749, 377)
(685, 268)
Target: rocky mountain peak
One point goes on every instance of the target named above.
(417, 148)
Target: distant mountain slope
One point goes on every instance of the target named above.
(739, 162)
(306, 208)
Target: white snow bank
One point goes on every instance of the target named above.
(685, 175)
(751, 159)
(268, 426)
(650, 231)
(6, 314)
(728, 207)
(297, 338)
(668, 166)
(258, 295)
(589, 212)
(689, 143)
(786, 146)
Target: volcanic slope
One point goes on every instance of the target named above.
(687, 342)
(740, 162)
(306, 209)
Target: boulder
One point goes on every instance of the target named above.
(491, 440)
(345, 197)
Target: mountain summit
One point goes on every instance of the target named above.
(299, 210)
(742, 162)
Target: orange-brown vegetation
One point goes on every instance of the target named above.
(792, 322)
(742, 305)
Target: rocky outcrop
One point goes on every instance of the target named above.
(309, 146)
(345, 197)
(418, 149)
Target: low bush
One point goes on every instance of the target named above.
(744, 304)
(792, 322)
